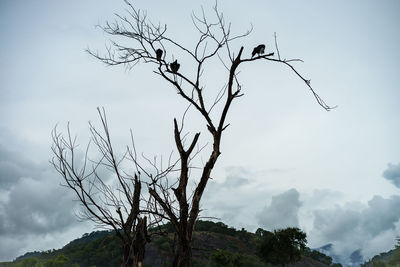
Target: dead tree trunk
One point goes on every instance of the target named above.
(139, 242)
(183, 254)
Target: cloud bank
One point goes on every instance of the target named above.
(33, 206)
(370, 228)
(357, 230)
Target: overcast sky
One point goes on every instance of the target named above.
(285, 161)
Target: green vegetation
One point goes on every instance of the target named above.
(395, 259)
(213, 227)
(282, 246)
(165, 243)
(29, 262)
(215, 244)
(318, 256)
(378, 264)
(222, 258)
(58, 261)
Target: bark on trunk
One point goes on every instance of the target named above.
(140, 240)
(134, 248)
(127, 259)
(183, 255)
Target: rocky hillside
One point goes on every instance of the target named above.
(214, 243)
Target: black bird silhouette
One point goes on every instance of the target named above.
(159, 53)
(258, 50)
(174, 66)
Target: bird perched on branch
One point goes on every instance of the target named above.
(159, 53)
(174, 66)
(258, 50)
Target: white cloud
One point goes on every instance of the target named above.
(282, 212)
(392, 173)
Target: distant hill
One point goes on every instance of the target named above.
(354, 260)
(211, 240)
(390, 258)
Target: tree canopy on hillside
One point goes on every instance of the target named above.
(282, 246)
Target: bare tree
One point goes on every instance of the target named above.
(149, 43)
(112, 203)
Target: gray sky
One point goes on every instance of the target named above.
(334, 174)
